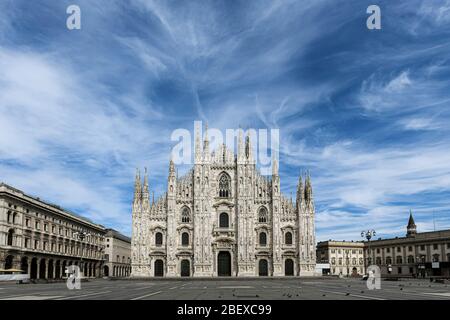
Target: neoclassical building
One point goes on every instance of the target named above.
(117, 254)
(42, 239)
(223, 218)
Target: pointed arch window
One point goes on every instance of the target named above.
(262, 216)
(158, 239)
(224, 186)
(186, 215)
(185, 239)
(263, 239)
(288, 238)
(223, 220)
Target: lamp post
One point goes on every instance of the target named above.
(81, 236)
(347, 261)
(368, 235)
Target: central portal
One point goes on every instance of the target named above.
(224, 264)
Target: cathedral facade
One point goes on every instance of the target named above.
(223, 218)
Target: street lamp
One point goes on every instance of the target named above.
(368, 235)
(81, 236)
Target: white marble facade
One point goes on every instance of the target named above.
(223, 218)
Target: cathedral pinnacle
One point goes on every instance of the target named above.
(137, 187)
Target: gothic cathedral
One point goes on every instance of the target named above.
(223, 218)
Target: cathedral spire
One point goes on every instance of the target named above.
(308, 188)
(145, 192)
(241, 148)
(300, 192)
(206, 154)
(198, 145)
(248, 147)
(137, 187)
(171, 167)
(274, 167)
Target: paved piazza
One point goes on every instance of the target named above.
(267, 289)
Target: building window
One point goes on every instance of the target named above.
(224, 186)
(36, 225)
(185, 239)
(388, 260)
(399, 260)
(185, 215)
(435, 258)
(10, 237)
(410, 259)
(399, 270)
(27, 222)
(378, 250)
(158, 239)
(223, 220)
(288, 238)
(422, 247)
(435, 246)
(388, 250)
(36, 244)
(340, 261)
(399, 249)
(410, 248)
(27, 242)
(262, 239)
(262, 217)
(378, 261)
(333, 260)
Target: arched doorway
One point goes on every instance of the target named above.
(289, 267)
(42, 269)
(24, 264)
(33, 269)
(9, 262)
(263, 268)
(224, 264)
(58, 269)
(185, 268)
(105, 271)
(50, 269)
(159, 268)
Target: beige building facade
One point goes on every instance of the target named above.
(42, 239)
(345, 258)
(423, 254)
(117, 254)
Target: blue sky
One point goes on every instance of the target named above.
(367, 112)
